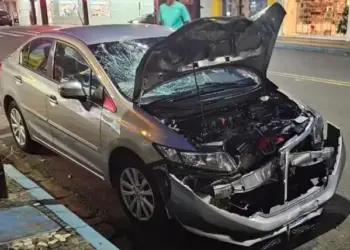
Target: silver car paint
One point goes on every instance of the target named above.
(86, 137)
(89, 137)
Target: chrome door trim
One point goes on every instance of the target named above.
(67, 157)
(74, 136)
(33, 112)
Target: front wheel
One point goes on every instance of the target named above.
(19, 129)
(140, 196)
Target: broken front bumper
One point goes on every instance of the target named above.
(202, 218)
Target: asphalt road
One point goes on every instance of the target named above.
(319, 80)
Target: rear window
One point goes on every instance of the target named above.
(3, 13)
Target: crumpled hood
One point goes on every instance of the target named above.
(249, 41)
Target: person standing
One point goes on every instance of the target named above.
(173, 14)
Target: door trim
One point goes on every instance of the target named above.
(68, 157)
(31, 111)
(74, 136)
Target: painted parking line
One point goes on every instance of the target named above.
(10, 34)
(84, 230)
(310, 78)
(23, 33)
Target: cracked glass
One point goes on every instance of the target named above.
(120, 60)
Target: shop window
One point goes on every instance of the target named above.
(312, 17)
(247, 8)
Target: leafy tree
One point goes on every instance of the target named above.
(342, 25)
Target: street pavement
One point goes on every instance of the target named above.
(319, 80)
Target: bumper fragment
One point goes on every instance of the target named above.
(202, 218)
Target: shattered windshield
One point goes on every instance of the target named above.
(120, 60)
(208, 80)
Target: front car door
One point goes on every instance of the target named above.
(33, 85)
(75, 125)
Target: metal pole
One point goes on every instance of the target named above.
(3, 185)
(240, 7)
(32, 5)
(44, 17)
(85, 12)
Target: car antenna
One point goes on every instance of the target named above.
(195, 66)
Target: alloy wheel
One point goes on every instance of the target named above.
(17, 126)
(137, 194)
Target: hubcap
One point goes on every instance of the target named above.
(137, 194)
(17, 126)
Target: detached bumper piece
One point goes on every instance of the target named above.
(285, 193)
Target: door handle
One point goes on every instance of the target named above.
(53, 99)
(18, 79)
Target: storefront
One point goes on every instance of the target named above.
(70, 12)
(193, 6)
(315, 18)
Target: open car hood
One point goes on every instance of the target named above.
(247, 41)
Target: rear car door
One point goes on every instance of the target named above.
(75, 125)
(32, 85)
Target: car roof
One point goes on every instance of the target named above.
(114, 32)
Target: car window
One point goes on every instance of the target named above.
(35, 55)
(70, 65)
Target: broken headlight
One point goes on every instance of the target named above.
(216, 161)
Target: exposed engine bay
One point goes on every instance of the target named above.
(252, 133)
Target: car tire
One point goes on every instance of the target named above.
(19, 129)
(146, 195)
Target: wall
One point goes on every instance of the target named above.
(23, 8)
(118, 11)
(38, 13)
(216, 7)
(122, 11)
(65, 20)
(205, 8)
(2, 5)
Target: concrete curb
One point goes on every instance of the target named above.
(313, 48)
(83, 229)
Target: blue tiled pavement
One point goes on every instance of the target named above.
(24, 221)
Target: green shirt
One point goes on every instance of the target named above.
(173, 16)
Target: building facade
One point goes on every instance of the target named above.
(315, 18)
(312, 18)
(70, 12)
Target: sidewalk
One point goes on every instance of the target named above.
(32, 219)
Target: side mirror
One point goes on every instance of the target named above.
(72, 90)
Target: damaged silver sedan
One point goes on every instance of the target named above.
(183, 124)
(258, 164)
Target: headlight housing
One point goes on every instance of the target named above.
(215, 161)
